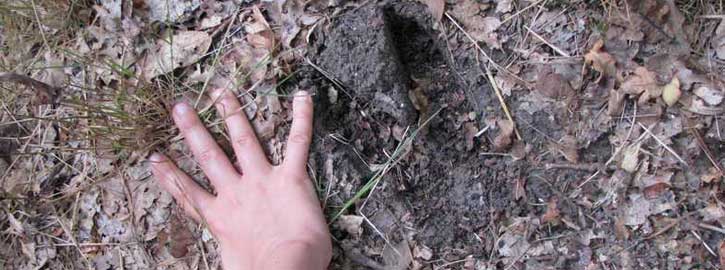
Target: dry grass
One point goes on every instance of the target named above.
(43, 145)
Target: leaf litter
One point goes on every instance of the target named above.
(628, 120)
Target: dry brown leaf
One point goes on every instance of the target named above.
(436, 8)
(259, 33)
(423, 252)
(601, 61)
(630, 158)
(513, 242)
(351, 224)
(481, 28)
(654, 191)
(713, 212)
(638, 208)
(615, 103)
(262, 40)
(419, 98)
(554, 86)
(568, 148)
(44, 93)
(214, 13)
(180, 237)
(642, 82)
(698, 106)
(165, 10)
(504, 6)
(503, 139)
(259, 17)
(620, 230)
(653, 186)
(506, 82)
(710, 95)
(484, 29)
(290, 26)
(552, 211)
(712, 175)
(182, 49)
(519, 150)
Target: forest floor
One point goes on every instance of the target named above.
(449, 134)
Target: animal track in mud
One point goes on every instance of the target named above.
(384, 54)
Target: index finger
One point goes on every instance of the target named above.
(300, 134)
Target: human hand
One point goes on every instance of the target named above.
(264, 216)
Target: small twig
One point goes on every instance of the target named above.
(40, 25)
(705, 149)
(329, 76)
(200, 244)
(664, 145)
(560, 51)
(712, 228)
(445, 265)
(609, 161)
(494, 154)
(46, 94)
(488, 58)
(502, 101)
(709, 249)
(663, 230)
(72, 239)
(521, 11)
(714, 17)
(581, 167)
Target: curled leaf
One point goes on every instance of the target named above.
(601, 60)
(642, 83)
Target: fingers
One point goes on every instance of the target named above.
(300, 134)
(243, 139)
(212, 159)
(191, 196)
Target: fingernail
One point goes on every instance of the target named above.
(156, 157)
(182, 108)
(301, 95)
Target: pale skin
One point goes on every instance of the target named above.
(263, 216)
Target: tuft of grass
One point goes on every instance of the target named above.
(32, 27)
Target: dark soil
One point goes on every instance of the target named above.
(446, 192)
(378, 52)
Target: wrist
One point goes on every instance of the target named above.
(293, 255)
(287, 255)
